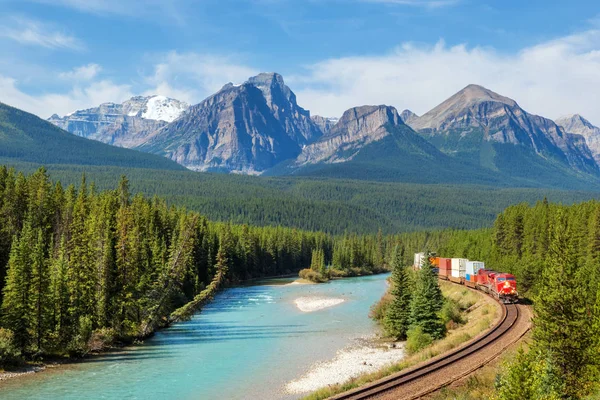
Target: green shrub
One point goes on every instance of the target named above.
(450, 312)
(101, 339)
(337, 273)
(79, 344)
(312, 276)
(417, 340)
(378, 309)
(9, 354)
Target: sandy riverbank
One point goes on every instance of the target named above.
(302, 281)
(310, 304)
(362, 357)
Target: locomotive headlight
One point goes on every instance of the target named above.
(506, 284)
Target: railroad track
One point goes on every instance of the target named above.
(510, 316)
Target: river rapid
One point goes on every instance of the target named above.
(246, 344)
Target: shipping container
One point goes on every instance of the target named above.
(474, 266)
(459, 267)
(419, 260)
(445, 264)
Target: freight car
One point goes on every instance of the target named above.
(473, 274)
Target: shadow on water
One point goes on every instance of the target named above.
(211, 332)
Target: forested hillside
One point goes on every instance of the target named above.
(329, 205)
(81, 268)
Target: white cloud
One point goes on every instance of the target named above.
(553, 78)
(78, 97)
(83, 73)
(30, 32)
(191, 76)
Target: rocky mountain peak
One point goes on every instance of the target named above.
(476, 93)
(122, 124)
(356, 128)
(408, 116)
(574, 122)
(372, 117)
(272, 86)
(324, 123)
(577, 125)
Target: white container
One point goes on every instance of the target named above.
(458, 267)
(473, 267)
(419, 257)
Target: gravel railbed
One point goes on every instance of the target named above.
(457, 370)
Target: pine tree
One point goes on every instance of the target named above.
(16, 302)
(397, 317)
(39, 296)
(427, 300)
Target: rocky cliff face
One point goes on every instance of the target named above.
(244, 128)
(358, 127)
(324, 123)
(124, 125)
(498, 119)
(576, 124)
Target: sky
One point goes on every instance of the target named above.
(63, 55)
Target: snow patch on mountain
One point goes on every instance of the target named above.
(161, 108)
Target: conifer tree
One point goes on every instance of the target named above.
(16, 302)
(39, 296)
(397, 317)
(426, 302)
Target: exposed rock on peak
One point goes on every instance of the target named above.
(476, 115)
(462, 109)
(244, 128)
(324, 123)
(358, 127)
(126, 124)
(576, 124)
(408, 116)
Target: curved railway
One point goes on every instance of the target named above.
(509, 318)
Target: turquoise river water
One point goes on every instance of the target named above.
(247, 344)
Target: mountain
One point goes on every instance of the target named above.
(372, 143)
(27, 138)
(576, 124)
(408, 116)
(245, 128)
(324, 123)
(358, 127)
(126, 124)
(494, 131)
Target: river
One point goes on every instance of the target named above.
(246, 344)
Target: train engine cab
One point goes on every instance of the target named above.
(506, 288)
(498, 284)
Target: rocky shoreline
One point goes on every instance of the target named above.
(365, 355)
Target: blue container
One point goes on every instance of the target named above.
(469, 277)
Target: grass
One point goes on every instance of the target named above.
(480, 313)
(479, 385)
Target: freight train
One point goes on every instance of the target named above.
(473, 274)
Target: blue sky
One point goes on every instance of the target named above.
(62, 55)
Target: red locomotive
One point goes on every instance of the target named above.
(499, 284)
